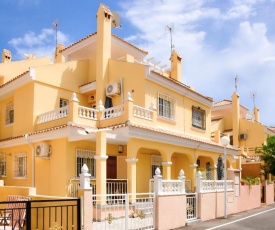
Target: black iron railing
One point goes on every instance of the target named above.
(41, 214)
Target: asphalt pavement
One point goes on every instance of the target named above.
(259, 218)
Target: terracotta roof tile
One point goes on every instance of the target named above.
(157, 130)
(86, 83)
(36, 132)
(13, 79)
(73, 44)
(181, 84)
(143, 51)
(221, 103)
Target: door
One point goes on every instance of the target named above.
(111, 167)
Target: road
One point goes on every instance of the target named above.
(260, 218)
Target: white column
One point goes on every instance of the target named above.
(199, 182)
(181, 177)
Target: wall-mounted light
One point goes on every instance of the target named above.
(120, 149)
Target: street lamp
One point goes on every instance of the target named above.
(225, 141)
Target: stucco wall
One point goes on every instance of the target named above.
(250, 197)
(211, 205)
(170, 212)
(269, 193)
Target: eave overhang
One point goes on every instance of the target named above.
(164, 81)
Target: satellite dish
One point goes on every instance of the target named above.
(115, 20)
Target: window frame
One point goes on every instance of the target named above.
(63, 102)
(9, 113)
(166, 106)
(81, 156)
(20, 166)
(195, 120)
(3, 165)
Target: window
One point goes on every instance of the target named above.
(9, 113)
(84, 156)
(166, 106)
(63, 103)
(155, 163)
(20, 165)
(198, 117)
(2, 164)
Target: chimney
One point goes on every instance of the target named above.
(6, 56)
(176, 66)
(58, 57)
(103, 49)
(256, 114)
(235, 118)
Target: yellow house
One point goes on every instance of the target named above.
(230, 118)
(101, 102)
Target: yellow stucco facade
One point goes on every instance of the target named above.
(104, 104)
(245, 130)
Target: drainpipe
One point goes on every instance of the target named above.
(26, 137)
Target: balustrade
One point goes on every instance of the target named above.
(142, 112)
(53, 115)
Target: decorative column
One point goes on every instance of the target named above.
(181, 177)
(101, 158)
(199, 182)
(128, 107)
(85, 191)
(167, 170)
(193, 173)
(132, 177)
(157, 182)
(73, 108)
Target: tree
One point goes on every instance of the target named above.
(267, 156)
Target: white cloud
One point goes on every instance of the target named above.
(42, 44)
(246, 49)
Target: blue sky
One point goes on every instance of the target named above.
(217, 39)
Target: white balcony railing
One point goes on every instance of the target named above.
(112, 112)
(92, 114)
(88, 113)
(171, 186)
(53, 115)
(142, 112)
(216, 185)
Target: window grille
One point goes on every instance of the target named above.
(2, 164)
(20, 165)
(198, 117)
(63, 102)
(166, 106)
(84, 156)
(9, 113)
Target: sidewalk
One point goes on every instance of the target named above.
(212, 223)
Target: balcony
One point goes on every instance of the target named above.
(97, 117)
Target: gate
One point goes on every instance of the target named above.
(123, 211)
(191, 206)
(41, 214)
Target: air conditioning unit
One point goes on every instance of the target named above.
(243, 136)
(43, 150)
(113, 89)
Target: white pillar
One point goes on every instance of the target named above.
(181, 177)
(85, 178)
(157, 182)
(199, 182)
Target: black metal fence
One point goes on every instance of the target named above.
(41, 214)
